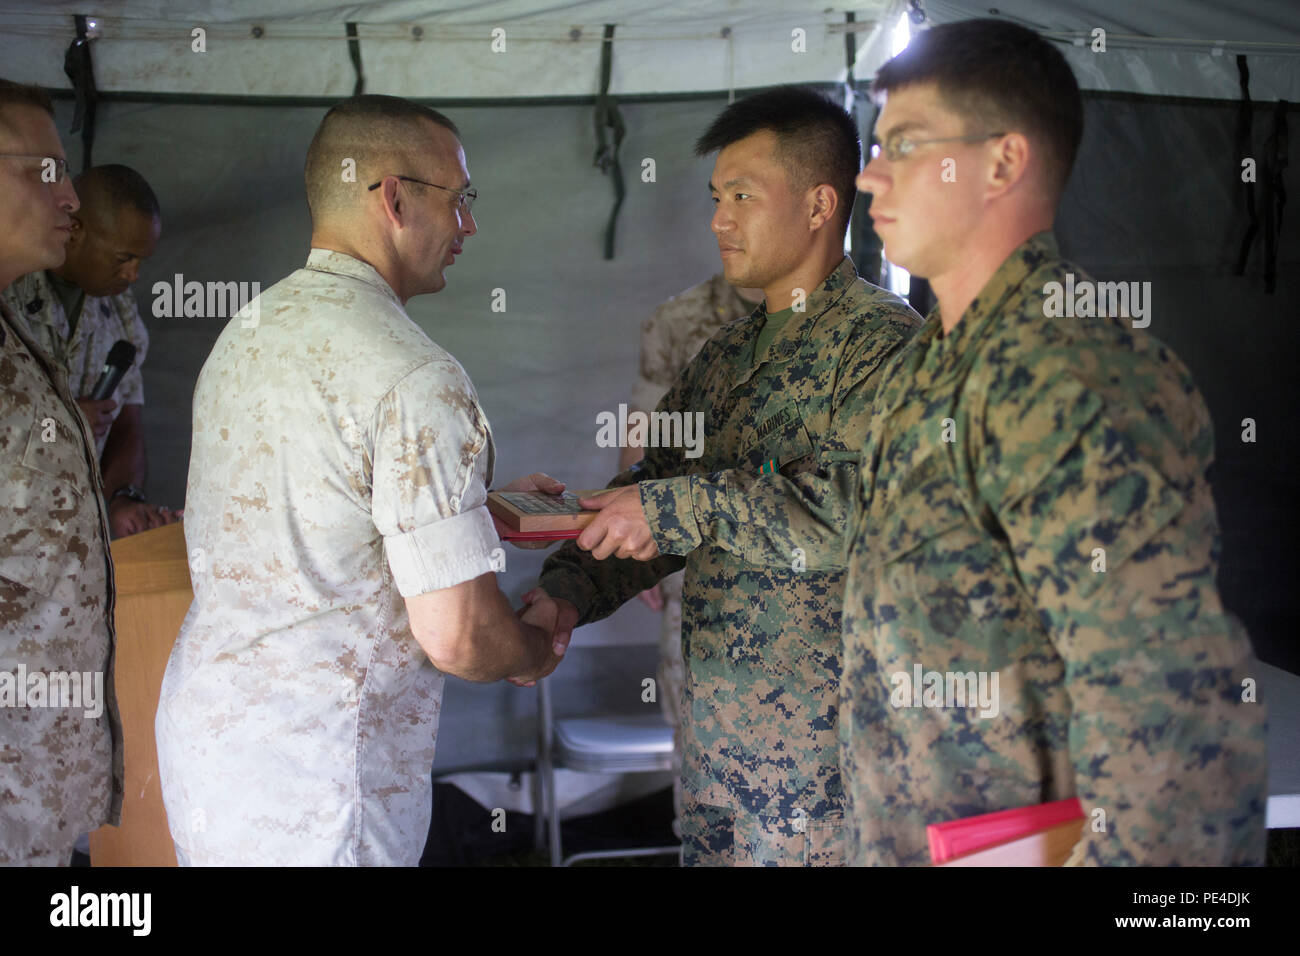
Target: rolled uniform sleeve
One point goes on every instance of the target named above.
(1112, 535)
(433, 457)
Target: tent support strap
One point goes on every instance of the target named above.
(354, 52)
(80, 70)
(608, 116)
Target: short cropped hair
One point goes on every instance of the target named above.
(817, 141)
(378, 133)
(26, 94)
(21, 94)
(999, 77)
(116, 187)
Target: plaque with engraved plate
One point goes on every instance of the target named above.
(537, 515)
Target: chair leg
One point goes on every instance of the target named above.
(539, 810)
(546, 770)
(557, 855)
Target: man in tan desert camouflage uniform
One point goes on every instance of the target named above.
(76, 313)
(60, 737)
(1034, 508)
(342, 552)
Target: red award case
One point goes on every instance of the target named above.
(1040, 835)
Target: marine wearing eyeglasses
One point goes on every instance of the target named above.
(60, 765)
(78, 311)
(337, 487)
(1033, 505)
(464, 197)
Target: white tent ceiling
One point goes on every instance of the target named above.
(1169, 47)
(506, 49)
(444, 50)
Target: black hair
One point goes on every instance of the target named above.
(122, 187)
(817, 141)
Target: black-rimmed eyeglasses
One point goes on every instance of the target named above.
(465, 197)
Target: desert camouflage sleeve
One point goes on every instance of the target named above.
(657, 366)
(432, 462)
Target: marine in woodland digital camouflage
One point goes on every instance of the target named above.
(83, 351)
(60, 766)
(759, 519)
(721, 836)
(1073, 441)
(340, 464)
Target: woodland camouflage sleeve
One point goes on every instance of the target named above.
(1119, 557)
(764, 518)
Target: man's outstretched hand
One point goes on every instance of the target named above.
(557, 618)
(621, 528)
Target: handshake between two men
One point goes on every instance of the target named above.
(619, 530)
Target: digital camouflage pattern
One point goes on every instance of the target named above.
(103, 321)
(60, 767)
(1070, 437)
(719, 836)
(760, 620)
(672, 336)
(340, 463)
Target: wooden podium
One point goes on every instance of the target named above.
(153, 595)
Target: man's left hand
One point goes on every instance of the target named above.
(127, 517)
(621, 528)
(537, 481)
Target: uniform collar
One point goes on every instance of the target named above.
(799, 326)
(342, 264)
(36, 293)
(932, 358)
(57, 374)
(40, 307)
(997, 293)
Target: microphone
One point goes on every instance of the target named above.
(119, 360)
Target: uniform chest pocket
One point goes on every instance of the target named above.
(779, 441)
(51, 529)
(922, 506)
(55, 452)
